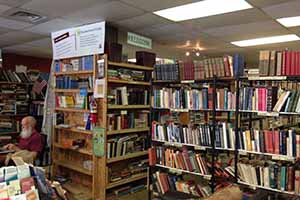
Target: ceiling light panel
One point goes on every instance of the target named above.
(202, 9)
(289, 21)
(266, 40)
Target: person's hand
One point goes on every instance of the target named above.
(11, 147)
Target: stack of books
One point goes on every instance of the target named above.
(75, 64)
(18, 77)
(125, 120)
(71, 82)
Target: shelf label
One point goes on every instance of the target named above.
(199, 148)
(207, 177)
(173, 144)
(243, 153)
(187, 81)
(282, 157)
(270, 114)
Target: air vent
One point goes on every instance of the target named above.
(27, 16)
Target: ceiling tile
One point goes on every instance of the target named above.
(234, 18)
(51, 26)
(41, 43)
(155, 5)
(13, 24)
(58, 7)
(142, 21)
(4, 8)
(13, 3)
(288, 9)
(247, 31)
(264, 3)
(17, 37)
(112, 11)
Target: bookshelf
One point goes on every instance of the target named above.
(124, 116)
(72, 152)
(14, 105)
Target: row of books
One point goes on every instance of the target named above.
(265, 99)
(72, 82)
(193, 99)
(18, 77)
(282, 142)
(36, 109)
(124, 190)
(125, 120)
(75, 64)
(77, 101)
(226, 66)
(164, 182)
(271, 175)
(279, 63)
(120, 146)
(128, 96)
(127, 75)
(185, 160)
(195, 135)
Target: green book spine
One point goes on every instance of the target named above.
(283, 178)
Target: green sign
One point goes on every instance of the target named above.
(99, 142)
(139, 41)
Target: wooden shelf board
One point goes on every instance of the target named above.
(274, 156)
(71, 110)
(128, 156)
(75, 130)
(73, 72)
(265, 188)
(77, 189)
(208, 177)
(130, 66)
(70, 90)
(128, 106)
(128, 82)
(83, 151)
(15, 83)
(72, 166)
(130, 130)
(128, 180)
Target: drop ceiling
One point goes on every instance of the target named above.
(213, 33)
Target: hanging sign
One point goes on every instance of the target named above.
(79, 41)
(139, 41)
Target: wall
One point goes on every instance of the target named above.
(10, 60)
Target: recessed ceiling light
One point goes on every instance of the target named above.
(203, 8)
(197, 54)
(187, 53)
(289, 21)
(266, 40)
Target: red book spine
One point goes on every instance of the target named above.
(271, 142)
(290, 178)
(298, 63)
(293, 63)
(210, 98)
(276, 142)
(288, 63)
(152, 156)
(260, 99)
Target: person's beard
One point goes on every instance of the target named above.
(26, 133)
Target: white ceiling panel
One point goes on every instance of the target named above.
(112, 11)
(154, 5)
(142, 21)
(247, 31)
(13, 3)
(17, 37)
(264, 3)
(51, 26)
(60, 7)
(234, 18)
(13, 24)
(288, 9)
(44, 43)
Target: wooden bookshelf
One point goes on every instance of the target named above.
(105, 165)
(80, 150)
(128, 82)
(78, 189)
(84, 72)
(130, 66)
(70, 90)
(124, 107)
(130, 130)
(71, 110)
(128, 180)
(75, 130)
(128, 156)
(72, 166)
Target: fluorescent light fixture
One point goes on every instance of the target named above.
(289, 21)
(266, 40)
(203, 8)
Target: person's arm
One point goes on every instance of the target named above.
(12, 147)
(34, 154)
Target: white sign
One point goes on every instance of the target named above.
(79, 41)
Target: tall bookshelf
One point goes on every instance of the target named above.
(183, 89)
(124, 115)
(14, 105)
(72, 153)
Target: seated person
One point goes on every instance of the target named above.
(30, 139)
